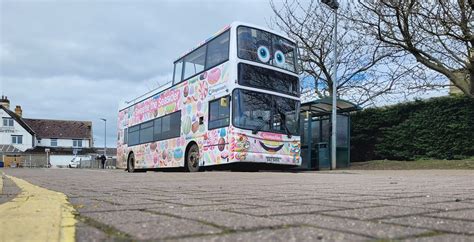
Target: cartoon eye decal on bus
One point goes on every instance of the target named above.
(263, 54)
(279, 58)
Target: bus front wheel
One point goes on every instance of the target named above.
(131, 163)
(192, 159)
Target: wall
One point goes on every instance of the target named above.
(63, 160)
(63, 143)
(17, 129)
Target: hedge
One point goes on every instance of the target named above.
(438, 128)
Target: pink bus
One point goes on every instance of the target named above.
(235, 98)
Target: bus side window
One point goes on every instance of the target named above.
(146, 132)
(157, 130)
(134, 135)
(125, 136)
(171, 125)
(219, 112)
(218, 50)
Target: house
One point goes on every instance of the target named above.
(41, 140)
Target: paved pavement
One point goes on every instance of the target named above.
(422, 205)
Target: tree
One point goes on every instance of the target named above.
(439, 34)
(367, 68)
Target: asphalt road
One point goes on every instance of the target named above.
(422, 205)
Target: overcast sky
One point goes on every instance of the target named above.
(76, 60)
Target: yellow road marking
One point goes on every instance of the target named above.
(37, 214)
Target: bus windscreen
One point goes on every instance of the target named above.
(264, 112)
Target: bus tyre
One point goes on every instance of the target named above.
(192, 159)
(131, 163)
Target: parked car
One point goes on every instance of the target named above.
(75, 162)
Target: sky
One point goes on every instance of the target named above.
(77, 59)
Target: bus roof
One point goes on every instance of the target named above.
(234, 24)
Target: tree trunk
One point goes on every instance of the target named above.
(464, 81)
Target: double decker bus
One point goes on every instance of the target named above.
(234, 98)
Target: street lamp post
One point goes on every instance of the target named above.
(105, 136)
(334, 5)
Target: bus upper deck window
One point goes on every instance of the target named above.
(194, 62)
(218, 50)
(178, 71)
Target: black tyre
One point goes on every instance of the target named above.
(192, 159)
(131, 163)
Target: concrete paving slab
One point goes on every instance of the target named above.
(162, 227)
(452, 205)
(230, 220)
(443, 238)
(379, 212)
(88, 233)
(375, 230)
(121, 217)
(465, 214)
(284, 210)
(439, 224)
(284, 235)
(337, 204)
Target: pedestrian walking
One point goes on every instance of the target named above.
(103, 159)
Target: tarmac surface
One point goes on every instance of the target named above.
(421, 205)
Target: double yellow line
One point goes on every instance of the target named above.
(36, 214)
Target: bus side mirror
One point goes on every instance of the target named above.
(201, 120)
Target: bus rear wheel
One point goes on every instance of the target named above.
(131, 163)
(192, 159)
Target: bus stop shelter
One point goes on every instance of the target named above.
(316, 133)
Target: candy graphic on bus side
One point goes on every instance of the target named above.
(186, 125)
(214, 76)
(221, 144)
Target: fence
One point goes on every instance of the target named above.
(41, 161)
(96, 164)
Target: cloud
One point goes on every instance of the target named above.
(78, 59)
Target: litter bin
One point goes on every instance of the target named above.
(1, 163)
(323, 155)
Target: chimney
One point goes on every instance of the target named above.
(5, 102)
(18, 110)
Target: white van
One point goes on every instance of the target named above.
(75, 162)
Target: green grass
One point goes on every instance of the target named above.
(414, 165)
